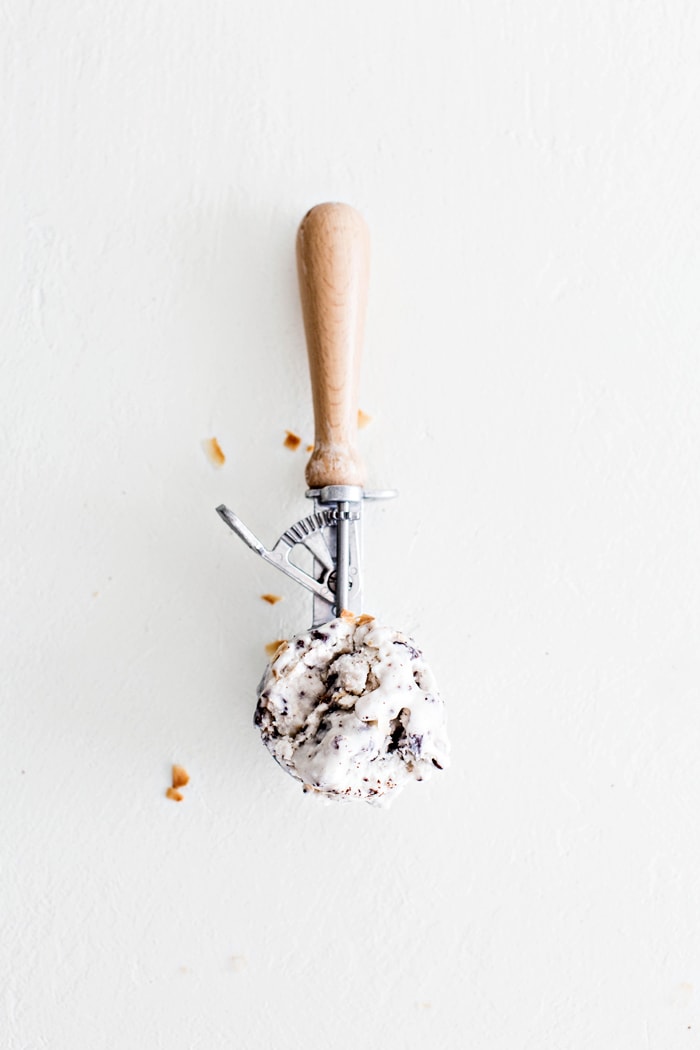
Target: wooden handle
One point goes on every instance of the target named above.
(333, 263)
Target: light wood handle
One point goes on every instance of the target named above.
(333, 263)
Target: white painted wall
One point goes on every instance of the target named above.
(531, 177)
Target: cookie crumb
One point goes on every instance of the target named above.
(214, 452)
(271, 599)
(309, 448)
(272, 647)
(174, 794)
(362, 418)
(238, 963)
(180, 776)
(292, 440)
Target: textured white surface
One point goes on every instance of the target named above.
(531, 177)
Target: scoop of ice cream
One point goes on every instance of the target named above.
(351, 709)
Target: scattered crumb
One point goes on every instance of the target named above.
(309, 448)
(271, 599)
(362, 418)
(238, 963)
(180, 776)
(425, 1006)
(364, 618)
(95, 593)
(174, 794)
(292, 441)
(213, 451)
(272, 647)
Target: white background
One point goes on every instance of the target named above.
(530, 174)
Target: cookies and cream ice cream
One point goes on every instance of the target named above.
(352, 711)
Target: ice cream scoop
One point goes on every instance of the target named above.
(349, 708)
(333, 266)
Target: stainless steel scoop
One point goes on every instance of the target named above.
(333, 266)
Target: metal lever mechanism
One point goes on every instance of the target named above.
(332, 535)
